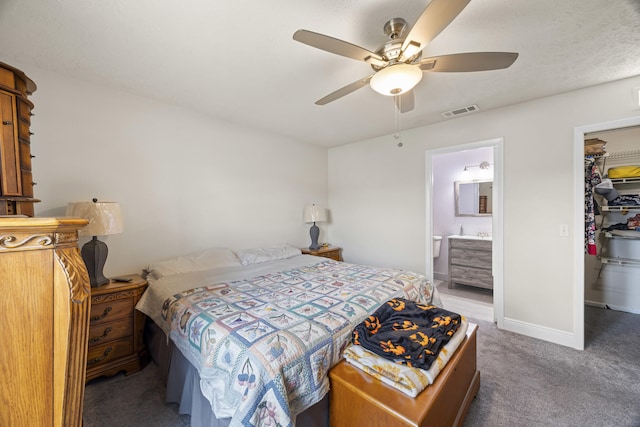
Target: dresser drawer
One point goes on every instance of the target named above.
(112, 310)
(25, 156)
(109, 351)
(24, 110)
(27, 183)
(482, 245)
(481, 259)
(23, 130)
(106, 332)
(471, 276)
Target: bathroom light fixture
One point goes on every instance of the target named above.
(482, 165)
(396, 79)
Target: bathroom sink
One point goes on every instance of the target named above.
(457, 236)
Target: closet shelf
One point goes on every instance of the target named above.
(631, 235)
(634, 180)
(619, 261)
(606, 208)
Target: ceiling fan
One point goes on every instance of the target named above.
(398, 64)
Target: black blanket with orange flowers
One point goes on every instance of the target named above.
(407, 332)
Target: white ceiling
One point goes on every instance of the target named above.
(236, 59)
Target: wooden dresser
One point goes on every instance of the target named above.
(470, 261)
(44, 312)
(16, 182)
(327, 252)
(115, 333)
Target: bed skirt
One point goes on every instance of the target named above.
(183, 386)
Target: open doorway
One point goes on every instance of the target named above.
(592, 285)
(464, 222)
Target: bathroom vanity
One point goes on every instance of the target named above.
(470, 261)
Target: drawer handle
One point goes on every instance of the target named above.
(101, 337)
(32, 156)
(101, 358)
(103, 315)
(7, 122)
(31, 133)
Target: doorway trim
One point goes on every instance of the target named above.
(578, 242)
(497, 218)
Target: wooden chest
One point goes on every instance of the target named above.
(358, 399)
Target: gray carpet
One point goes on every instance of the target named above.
(524, 382)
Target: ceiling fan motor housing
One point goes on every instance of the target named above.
(394, 28)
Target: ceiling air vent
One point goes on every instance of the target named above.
(459, 111)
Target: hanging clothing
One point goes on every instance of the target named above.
(592, 177)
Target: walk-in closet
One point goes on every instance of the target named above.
(612, 219)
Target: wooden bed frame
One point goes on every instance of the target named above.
(357, 398)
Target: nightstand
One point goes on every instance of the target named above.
(328, 252)
(116, 328)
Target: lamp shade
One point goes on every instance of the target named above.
(396, 79)
(314, 213)
(104, 217)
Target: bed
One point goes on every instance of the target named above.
(248, 338)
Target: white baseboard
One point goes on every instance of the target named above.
(544, 333)
(612, 307)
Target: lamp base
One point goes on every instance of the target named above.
(94, 254)
(314, 231)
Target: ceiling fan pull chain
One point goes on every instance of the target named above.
(397, 108)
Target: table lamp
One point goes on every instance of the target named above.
(104, 218)
(314, 213)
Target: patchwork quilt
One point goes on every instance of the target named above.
(263, 345)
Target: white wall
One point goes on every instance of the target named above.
(184, 180)
(377, 196)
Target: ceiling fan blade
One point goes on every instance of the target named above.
(339, 47)
(473, 61)
(346, 90)
(436, 17)
(405, 102)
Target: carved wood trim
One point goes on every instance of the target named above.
(77, 276)
(135, 293)
(34, 241)
(62, 238)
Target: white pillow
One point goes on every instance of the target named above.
(196, 261)
(271, 253)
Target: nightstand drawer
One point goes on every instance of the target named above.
(108, 311)
(110, 351)
(333, 253)
(106, 332)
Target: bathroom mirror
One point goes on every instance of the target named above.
(473, 198)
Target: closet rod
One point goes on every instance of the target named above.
(616, 155)
(630, 153)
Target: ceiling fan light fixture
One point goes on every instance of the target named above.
(396, 79)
